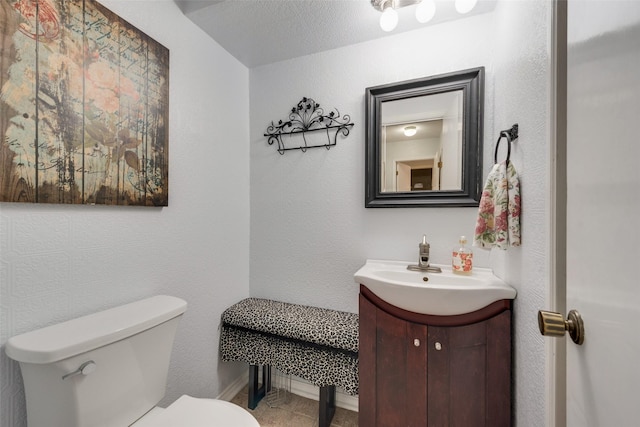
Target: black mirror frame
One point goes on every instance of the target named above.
(471, 82)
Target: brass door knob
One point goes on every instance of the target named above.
(552, 324)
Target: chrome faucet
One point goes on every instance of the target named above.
(423, 259)
(423, 256)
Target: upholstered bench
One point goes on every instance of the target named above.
(316, 344)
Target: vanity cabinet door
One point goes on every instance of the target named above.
(393, 369)
(469, 374)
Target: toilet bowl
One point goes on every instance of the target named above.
(109, 369)
(193, 412)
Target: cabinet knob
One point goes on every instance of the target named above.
(416, 342)
(438, 346)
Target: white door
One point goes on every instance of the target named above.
(403, 177)
(603, 211)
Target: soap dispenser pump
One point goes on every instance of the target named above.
(462, 258)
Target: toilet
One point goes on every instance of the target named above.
(109, 369)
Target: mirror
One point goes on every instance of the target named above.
(424, 141)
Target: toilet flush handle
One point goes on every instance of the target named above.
(85, 369)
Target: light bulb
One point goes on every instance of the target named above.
(410, 130)
(465, 6)
(425, 11)
(389, 19)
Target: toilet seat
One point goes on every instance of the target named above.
(189, 411)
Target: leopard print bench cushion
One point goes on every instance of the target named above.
(319, 365)
(337, 329)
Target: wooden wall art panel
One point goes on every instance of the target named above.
(84, 106)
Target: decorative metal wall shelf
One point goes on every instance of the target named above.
(304, 118)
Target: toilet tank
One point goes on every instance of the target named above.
(102, 370)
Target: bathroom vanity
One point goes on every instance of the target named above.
(419, 369)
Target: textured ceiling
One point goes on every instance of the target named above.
(259, 32)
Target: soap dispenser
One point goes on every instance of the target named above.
(462, 258)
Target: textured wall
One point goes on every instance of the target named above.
(309, 229)
(522, 94)
(59, 262)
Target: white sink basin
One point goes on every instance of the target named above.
(441, 294)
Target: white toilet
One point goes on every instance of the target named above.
(109, 369)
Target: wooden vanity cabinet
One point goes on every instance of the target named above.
(424, 370)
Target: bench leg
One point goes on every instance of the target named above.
(257, 393)
(327, 405)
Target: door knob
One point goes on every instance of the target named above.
(552, 324)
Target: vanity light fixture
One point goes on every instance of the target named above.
(389, 19)
(410, 130)
(465, 6)
(425, 11)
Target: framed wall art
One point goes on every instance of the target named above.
(84, 106)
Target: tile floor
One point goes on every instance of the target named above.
(298, 412)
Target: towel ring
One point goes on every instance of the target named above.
(510, 134)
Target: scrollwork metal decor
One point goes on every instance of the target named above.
(308, 116)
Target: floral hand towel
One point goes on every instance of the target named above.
(498, 223)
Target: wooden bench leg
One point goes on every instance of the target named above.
(257, 393)
(327, 405)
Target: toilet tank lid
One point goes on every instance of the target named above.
(73, 337)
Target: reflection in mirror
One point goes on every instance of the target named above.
(424, 139)
(417, 135)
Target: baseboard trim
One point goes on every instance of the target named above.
(310, 391)
(299, 387)
(235, 387)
